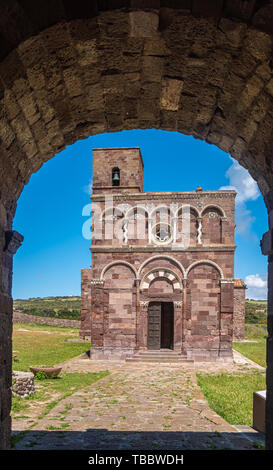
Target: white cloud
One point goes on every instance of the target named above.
(88, 188)
(247, 190)
(256, 287)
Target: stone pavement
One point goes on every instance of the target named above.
(138, 406)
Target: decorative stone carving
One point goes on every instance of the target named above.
(144, 303)
(199, 230)
(96, 282)
(13, 241)
(178, 304)
(125, 232)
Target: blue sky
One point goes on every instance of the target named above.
(49, 212)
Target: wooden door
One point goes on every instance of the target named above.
(167, 325)
(154, 325)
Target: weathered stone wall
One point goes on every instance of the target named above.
(19, 317)
(23, 383)
(128, 160)
(203, 313)
(86, 276)
(127, 274)
(239, 313)
(121, 67)
(119, 314)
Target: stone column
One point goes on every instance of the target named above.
(149, 230)
(9, 243)
(267, 250)
(178, 318)
(199, 231)
(138, 310)
(143, 326)
(184, 316)
(174, 227)
(224, 221)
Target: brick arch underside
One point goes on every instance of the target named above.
(200, 76)
(206, 77)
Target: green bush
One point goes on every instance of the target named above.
(41, 375)
(253, 315)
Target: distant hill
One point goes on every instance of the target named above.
(69, 307)
(56, 307)
(256, 311)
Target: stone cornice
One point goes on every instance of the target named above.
(166, 195)
(160, 249)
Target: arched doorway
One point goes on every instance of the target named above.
(197, 71)
(160, 325)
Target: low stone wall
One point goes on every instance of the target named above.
(23, 383)
(19, 317)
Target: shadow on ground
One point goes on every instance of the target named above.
(103, 439)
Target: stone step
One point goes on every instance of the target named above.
(159, 360)
(159, 351)
(159, 357)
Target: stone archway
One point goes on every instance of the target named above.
(74, 70)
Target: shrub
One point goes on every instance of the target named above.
(41, 375)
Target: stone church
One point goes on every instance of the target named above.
(162, 275)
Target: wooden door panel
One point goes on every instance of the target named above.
(154, 325)
(167, 321)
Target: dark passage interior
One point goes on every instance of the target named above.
(160, 325)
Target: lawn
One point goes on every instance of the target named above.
(58, 388)
(231, 395)
(255, 351)
(47, 345)
(44, 345)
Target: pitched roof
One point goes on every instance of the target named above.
(239, 283)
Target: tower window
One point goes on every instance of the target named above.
(115, 177)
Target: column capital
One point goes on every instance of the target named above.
(13, 241)
(266, 243)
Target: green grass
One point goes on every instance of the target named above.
(231, 395)
(36, 347)
(64, 386)
(254, 351)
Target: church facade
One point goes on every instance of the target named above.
(162, 275)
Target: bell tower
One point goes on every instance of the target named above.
(117, 170)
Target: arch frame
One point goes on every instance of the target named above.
(167, 257)
(205, 261)
(113, 263)
(198, 213)
(165, 273)
(213, 206)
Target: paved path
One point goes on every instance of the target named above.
(138, 406)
